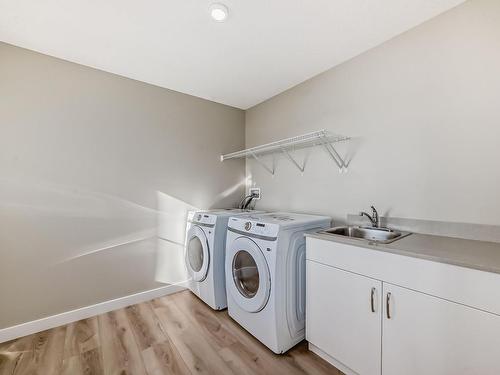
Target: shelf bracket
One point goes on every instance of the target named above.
(289, 157)
(258, 160)
(333, 154)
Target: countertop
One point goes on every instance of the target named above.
(480, 255)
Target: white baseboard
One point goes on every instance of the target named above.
(34, 326)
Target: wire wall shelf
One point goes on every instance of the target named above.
(322, 138)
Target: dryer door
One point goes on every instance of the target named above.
(197, 254)
(248, 277)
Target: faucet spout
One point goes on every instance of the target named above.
(374, 218)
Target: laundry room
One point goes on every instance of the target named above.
(265, 187)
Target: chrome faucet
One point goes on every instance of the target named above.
(374, 218)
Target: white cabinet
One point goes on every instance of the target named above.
(343, 316)
(438, 320)
(427, 335)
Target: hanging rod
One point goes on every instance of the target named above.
(317, 138)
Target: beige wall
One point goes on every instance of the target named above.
(424, 113)
(90, 164)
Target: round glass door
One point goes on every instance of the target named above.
(245, 274)
(246, 267)
(197, 255)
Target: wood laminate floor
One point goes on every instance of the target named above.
(176, 334)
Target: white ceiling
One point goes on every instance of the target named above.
(264, 48)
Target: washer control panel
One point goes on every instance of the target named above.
(253, 227)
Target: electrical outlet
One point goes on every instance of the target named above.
(255, 192)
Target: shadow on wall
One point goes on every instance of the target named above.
(47, 215)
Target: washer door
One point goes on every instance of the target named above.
(248, 275)
(197, 254)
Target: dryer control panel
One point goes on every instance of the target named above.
(202, 218)
(254, 227)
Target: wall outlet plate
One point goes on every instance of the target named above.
(255, 192)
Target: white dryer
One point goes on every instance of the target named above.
(204, 254)
(265, 275)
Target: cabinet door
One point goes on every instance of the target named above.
(341, 319)
(428, 335)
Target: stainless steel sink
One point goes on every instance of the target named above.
(371, 234)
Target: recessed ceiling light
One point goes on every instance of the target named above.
(219, 12)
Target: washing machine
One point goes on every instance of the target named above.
(265, 275)
(204, 254)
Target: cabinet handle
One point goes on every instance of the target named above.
(372, 300)
(388, 305)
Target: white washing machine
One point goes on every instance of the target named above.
(265, 275)
(204, 254)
